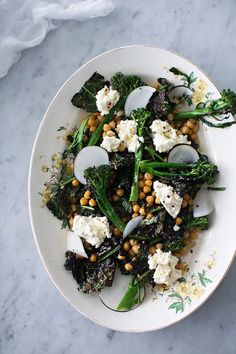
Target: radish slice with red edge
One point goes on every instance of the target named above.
(131, 225)
(75, 244)
(202, 203)
(183, 153)
(138, 98)
(112, 296)
(90, 156)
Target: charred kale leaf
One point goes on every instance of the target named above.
(91, 277)
(124, 84)
(85, 98)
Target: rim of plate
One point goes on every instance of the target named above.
(30, 206)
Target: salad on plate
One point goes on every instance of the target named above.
(131, 186)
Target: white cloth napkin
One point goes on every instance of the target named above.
(25, 23)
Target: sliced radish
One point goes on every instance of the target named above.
(202, 204)
(131, 225)
(111, 296)
(90, 156)
(75, 244)
(183, 153)
(138, 98)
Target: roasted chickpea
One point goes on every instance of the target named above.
(126, 246)
(93, 258)
(148, 176)
(152, 250)
(141, 184)
(87, 194)
(136, 208)
(178, 221)
(120, 192)
(134, 215)
(150, 199)
(121, 257)
(146, 189)
(149, 215)
(142, 211)
(75, 182)
(106, 127)
(148, 182)
(128, 267)
(83, 201)
(135, 249)
(117, 232)
(141, 195)
(92, 202)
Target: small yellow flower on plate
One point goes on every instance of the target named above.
(201, 86)
(184, 289)
(197, 97)
(197, 291)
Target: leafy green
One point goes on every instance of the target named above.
(85, 98)
(199, 223)
(188, 79)
(173, 246)
(140, 116)
(60, 129)
(223, 105)
(77, 143)
(124, 84)
(58, 204)
(97, 179)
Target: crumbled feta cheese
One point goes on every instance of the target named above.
(110, 143)
(176, 227)
(168, 197)
(93, 229)
(106, 98)
(165, 137)
(164, 264)
(127, 132)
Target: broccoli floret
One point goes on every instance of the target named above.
(97, 179)
(200, 172)
(223, 105)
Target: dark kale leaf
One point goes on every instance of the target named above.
(85, 98)
(91, 277)
(59, 205)
(124, 84)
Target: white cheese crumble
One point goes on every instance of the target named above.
(110, 143)
(176, 227)
(165, 137)
(106, 98)
(168, 197)
(93, 229)
(127, 132)
(164, 264)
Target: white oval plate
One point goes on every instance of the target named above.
(215, 250)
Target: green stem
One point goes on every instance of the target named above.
(78, 136)
(109, 253)
(134, 188)
(96, 135)
(107, 209)
(154, 153)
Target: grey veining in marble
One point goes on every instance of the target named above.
(34, 317)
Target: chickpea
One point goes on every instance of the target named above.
(121, 257)
(116, 198)
(142, 211)
(146, 189)
(178, 221)
(152, 250)
(120, 192)
(141, 195)
(93, 258)
(148, 176)
(100, 118)
(133, 242)
(141, 184)
(121, 147)
(184, 204)
(150, 199)
(190, 202)
(104, 134)
(148, 182)
(135, 249)
(193, 235)
(157, 200)
(170, 116)
(112, 124)
(73, 207)
(93, 128)
(159, 246)
(136, 208)
(91, 122)
(71, 221)
(185, 130)
(75, 182)
(154, 194)
(140, 176)
(110, 133)
(128, 267)
(87, 194)
(83, 201)
(117, 232)
(195, 128)
(190, 124)
(92, 202)
(126, 246)
(134, 215)
(106, 127)
(186, 196)
(149, 215)
(131, 254)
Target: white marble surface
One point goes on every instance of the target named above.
(34, 317)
